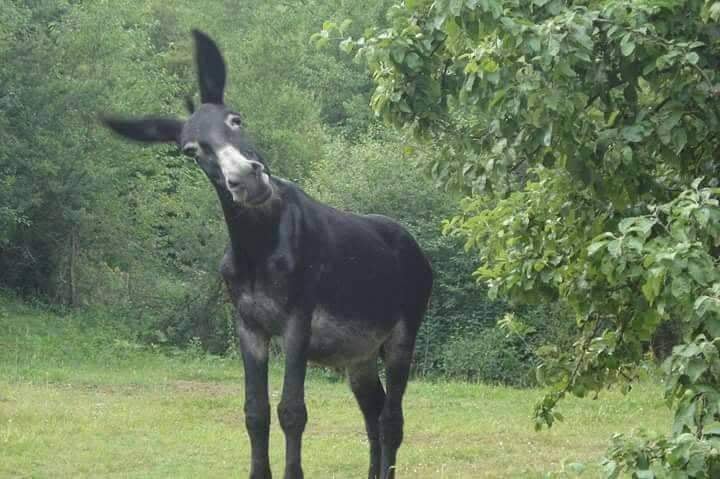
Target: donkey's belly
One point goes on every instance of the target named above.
(339, 342)
(335, 341)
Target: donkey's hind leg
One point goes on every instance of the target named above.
(370, 396)
(397, 355)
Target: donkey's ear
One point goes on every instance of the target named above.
(150, 130)
(211, 68)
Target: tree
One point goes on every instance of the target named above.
(585, 135)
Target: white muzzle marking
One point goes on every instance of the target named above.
(234, 164)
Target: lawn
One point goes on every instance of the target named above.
(76, 400)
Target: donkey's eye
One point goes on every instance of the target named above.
(234, 121)
(191, 150)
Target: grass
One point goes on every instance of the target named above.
(78, 399)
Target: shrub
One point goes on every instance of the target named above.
(489, 356)
(202, 319)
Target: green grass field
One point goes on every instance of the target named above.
(77, 400)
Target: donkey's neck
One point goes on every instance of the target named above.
(252, 230)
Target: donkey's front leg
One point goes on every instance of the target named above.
(291, 410)
(254, 347)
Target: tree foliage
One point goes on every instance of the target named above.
(585, 134)
(85, 218)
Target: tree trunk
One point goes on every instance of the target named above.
(74, 248)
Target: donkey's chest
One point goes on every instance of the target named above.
(264, 298)
(269, 312)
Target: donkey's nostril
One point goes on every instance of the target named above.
(233, 184)
(256, 166)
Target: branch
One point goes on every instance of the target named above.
(612, 85)
(579, 361)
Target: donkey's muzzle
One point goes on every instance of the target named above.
(252, 187)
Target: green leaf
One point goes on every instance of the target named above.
(684, 416)
(679, 139)
(534, 44)
(713, 326)
(688, 350)
(627, 46)
(345, 25)
(397, 52)
(614, 247)
(712, 429)
(347, 45)
(653, 284)
(714, 11)
(639, 224)
(596, 246)
(547, 137)
(611, 469)
(489, 65)
(696, 367)
(553, 47)
(627, 154)
(412, 60)
(680, 287)
(634, 133)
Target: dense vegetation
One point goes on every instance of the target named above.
(585, 135)
(89, 221)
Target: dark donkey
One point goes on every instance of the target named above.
(340, 289)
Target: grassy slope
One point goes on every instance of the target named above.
(76, 400)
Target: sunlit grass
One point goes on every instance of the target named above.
(71, 406)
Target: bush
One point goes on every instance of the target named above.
(506, 353)
(489, 356)
(202, 318)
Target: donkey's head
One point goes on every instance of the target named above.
(213, 135)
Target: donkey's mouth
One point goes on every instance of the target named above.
(250, 190)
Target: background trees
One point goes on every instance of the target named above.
(89, 221)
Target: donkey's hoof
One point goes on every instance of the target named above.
(294, 472)
(261, 473)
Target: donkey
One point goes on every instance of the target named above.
(339, 289)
